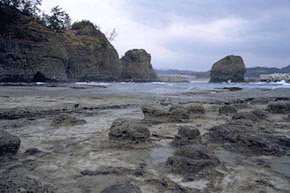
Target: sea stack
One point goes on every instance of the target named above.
(231, 68)
(137, 66)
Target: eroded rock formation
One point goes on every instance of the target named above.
(29, 51)
(137, 66)
(231, 68)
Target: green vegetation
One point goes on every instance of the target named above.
(29, 7)
(85, 27)
(58, 20)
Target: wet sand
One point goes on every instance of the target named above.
(81, 158)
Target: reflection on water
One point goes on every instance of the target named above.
(159, 155)
(281, 165)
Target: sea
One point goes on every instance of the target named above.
(170, 87)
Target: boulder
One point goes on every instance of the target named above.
(248, 139)
(65, 120)
(9, 144)
(231, 68)
(136, 66)
(279, 107)
(190, 160)
(186, 136)
(155, 114)
(250, 116)
(178, 114)
(129, 131)
(195, 109)
(227, 110)
(122, 188)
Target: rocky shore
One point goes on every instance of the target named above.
(58, 139)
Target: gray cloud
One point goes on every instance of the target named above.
(192, 34)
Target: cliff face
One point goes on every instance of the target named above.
(230, 68)
(29, 50)
(137, 66)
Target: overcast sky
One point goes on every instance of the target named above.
(192, 34)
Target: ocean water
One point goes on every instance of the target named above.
(170, 87)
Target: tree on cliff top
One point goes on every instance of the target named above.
(59, 19)
(29, 7)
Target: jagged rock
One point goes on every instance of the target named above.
(129, 130)
(250, 116)
(32, 52)
(190, 160)
(231, 68)
(155, 114)
(186, 136)
(248, 139)
(227, 110)
(9, 144)
(122, 188)
(279, 107)
(67, 120)
(137, 66)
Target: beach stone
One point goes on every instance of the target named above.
(9, 144)
(155, 114)
(227, 110)
(129, 130)
(67, 120)
(122, 188)
(245, 116)
(231, 68)
(189, 160)
(187, 135)
(279, 107)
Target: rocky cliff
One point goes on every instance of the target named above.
(29, 51)
(231, 68)
(137, 66)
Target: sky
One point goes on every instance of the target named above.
(192, 34)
